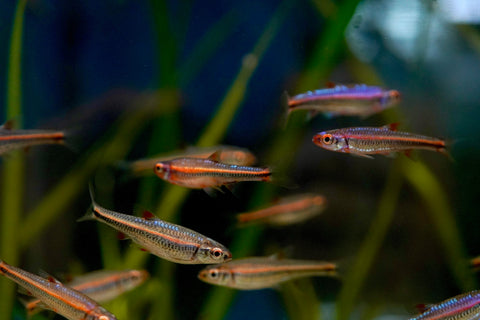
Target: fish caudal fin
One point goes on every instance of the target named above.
(89, 215)
(285, 108)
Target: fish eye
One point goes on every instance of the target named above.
(327, 138)
(216, 252)
(103, 318)
(213, 274)
(158, 167)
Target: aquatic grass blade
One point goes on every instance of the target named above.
(13, 168)
(358, 272)
(436, 200)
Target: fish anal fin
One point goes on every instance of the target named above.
(311, 114)
(213, 191)
(215, 156)
(121, 236)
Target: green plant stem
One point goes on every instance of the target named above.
(113, 147)
(357, 273)
(13, 171)
(435, 198)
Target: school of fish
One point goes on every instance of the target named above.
(212, 169)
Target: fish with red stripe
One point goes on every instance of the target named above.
(63, 300)
(286, 211)
(208, 173)
(263, 272)
(462, 307)
(163, 239)
(340, 100)
(364, 141)
(101, 286)
(13, 139)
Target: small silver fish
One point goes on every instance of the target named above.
(462, 307)
(101, 286)
(287, 211)
(13, 139)
(263, 272)
(54, 295)
(163, 239)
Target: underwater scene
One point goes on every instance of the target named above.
(313, 159)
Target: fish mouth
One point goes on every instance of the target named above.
(227, 256)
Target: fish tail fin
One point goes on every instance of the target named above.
(89, 215)
(279, 179)
(285, 98)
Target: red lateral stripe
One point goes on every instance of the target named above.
(139, 227)
(249, 269)
(406, 139)
(56, 135)
(219, 170)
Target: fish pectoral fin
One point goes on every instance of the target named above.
(24, 291)
(361, 155)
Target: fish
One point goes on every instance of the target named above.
(53, 295)
(462, 307)
(208, 173)
(358, 100)
(13, 139)
(101, 286)
(287, 211)
(227, 154)
(263, 272)
(385, 140)
(165, 240)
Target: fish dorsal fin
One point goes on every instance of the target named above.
(330, 84)
(147, 215)
(215, 156)
(392, 126)
(8, 125)
(49, 277)
(422, 307)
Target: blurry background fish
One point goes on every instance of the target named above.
(140, 78)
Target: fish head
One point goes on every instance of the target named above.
(330, 140)
(390, 98)
(216, 274)
(213, 252)
(162, 169)
(100, 313)
(135, 278)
